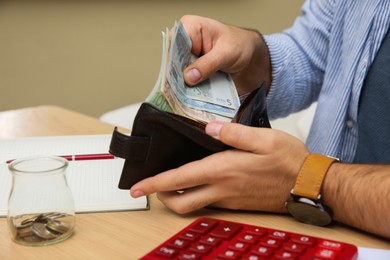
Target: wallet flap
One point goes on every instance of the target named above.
(129, 147)
(148, 115)
(170, 141)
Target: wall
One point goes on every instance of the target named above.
(95, 56)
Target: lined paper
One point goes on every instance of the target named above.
(94, 183)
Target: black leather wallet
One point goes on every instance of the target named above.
(160, 141)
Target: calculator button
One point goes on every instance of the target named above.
(226, 230)
(200, 248)
(229, 254)
(327, 254)
(191, 236)
(179, 243)
(189, 256)
(262, 251)
(331, 245)
(305, 240)
(270, 242)
(166, 251)
(248, 238)
(256, 231)
(286, 255)
(252, 257)
(278, 235)
(204, 226)
(294, 247)
(210, 240)
(239, 246)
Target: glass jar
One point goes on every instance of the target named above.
(40, 206)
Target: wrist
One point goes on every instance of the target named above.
(265, 62)
(258, 69)
(305, 203)
(331, 189)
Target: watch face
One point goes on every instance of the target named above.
(308, 211)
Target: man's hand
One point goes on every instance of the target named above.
(237, 51)
(258, 175)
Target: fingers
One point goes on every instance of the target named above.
(205, 34)
(204, 67)
(250, 139)
(193, 174)
(202, 31)
(194, 180)
(189, 200)
(195, 73)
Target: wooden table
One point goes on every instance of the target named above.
(129, 235)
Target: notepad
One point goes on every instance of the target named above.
(94, 183)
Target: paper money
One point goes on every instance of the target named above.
(156, 97)
(181, 109)
(216, 94)
(213, 99)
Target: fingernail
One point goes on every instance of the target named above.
(193, 75)
(213, 129)
(137, 194)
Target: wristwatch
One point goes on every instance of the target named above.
(305, 201)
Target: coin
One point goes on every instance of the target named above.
(26, 223)
(24, 231)
(57, 226)
(40, 230)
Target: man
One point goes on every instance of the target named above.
(335, 53)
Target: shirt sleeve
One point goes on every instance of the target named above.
(298, 59)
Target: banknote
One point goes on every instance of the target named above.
(156, 97)
(214, 99)
(196, 114)
(219, 89)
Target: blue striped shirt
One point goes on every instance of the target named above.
(325, 57)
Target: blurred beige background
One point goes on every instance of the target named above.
(95, 56)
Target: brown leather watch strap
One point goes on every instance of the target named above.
(311, 175)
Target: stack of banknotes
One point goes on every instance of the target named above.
(213, 99)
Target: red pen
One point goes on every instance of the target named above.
(83, 157)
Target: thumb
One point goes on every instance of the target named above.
(237, 135)
(203, 67)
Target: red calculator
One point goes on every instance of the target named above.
(210, 238)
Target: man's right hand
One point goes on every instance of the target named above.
(237, 51)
